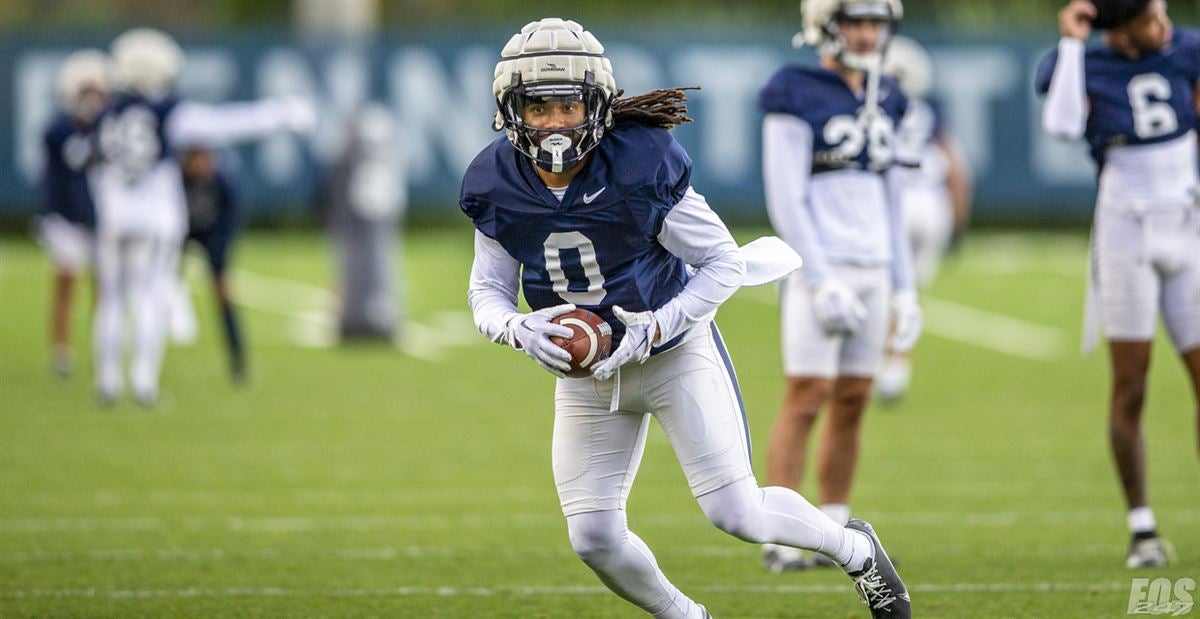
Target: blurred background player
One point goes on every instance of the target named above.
(1134, 97)
(138, 189)
(68, 223)
(588, 200)
(936, 188)
(212, 224)
(828, 142)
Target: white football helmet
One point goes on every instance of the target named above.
(820, 19)
(554, 59)
(910, 64)
(146, 61)
(83, 84)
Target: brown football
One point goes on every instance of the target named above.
(590, 341)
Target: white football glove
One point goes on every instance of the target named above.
(530, 333)
(640, 331)
(838, 308)
(299, 114)
(906, 321)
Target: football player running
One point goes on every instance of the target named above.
(1133, 95)
(936, 193)
(588, 202)
(833, 194)
(139, 196)
(68, 221)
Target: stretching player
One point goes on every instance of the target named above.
(1133, 96)
(212, 224)
(828, 138)
(138, 189)
(69, 220)
(936, 193)
(588, 201)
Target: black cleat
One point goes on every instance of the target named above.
(877, 582)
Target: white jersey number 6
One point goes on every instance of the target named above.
(1153, 116)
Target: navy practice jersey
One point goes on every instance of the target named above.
(598, 247)
(822, 99)
(211, 206)
(132, 135)
(1143, 101)
(68, 152)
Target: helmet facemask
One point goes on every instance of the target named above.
(554, 149)
(833, 44)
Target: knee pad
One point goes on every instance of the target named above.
(596, 536)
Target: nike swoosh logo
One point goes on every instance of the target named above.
(587, 199)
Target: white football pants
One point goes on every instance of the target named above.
(134, 277)
(692, 391)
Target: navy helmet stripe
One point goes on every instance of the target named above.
(737, 389)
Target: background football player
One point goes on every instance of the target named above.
(936, 192)
(212, 224)
(1133, 96)
(588, 202)
(68, 222)
(828, 153)
(138, 189)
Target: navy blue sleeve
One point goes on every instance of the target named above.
(54, 178)
(470, 197)
(1188, 42)
(674, 174)
(1045, 71)
(779, 96)
(902, 104)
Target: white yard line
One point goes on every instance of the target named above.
(544, 590)
(969, 325)
(403, 553)
(291, 523)
(998, 332)
(311, 310)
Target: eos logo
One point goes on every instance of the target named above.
(1161, 597)
(550, 67)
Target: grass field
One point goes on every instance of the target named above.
(371, 482)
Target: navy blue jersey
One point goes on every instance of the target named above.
(68, 152)
(1143, 101)
(132, 133)
(212, 216)
(598, 247)
(211, 206)
(822, 99)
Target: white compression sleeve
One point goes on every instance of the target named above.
(694, 233)
(787, 165)
(492, 293)
(1064, 113)
(216, 125)
(901, 249)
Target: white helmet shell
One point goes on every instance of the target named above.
(911, 66)
(146, 61)
(819, 18)
(82, 71)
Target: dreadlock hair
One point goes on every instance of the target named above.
(665, 108)
(1116, 13)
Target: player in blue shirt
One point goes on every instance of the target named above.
(1133, 96)
(212, 224)
(833, 194)
(68, 219)
(587, 201)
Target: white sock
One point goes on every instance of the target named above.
(1141, 520)
(856, 549)
(785, 553)
(837, 512)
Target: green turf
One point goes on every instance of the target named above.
(364, 481)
